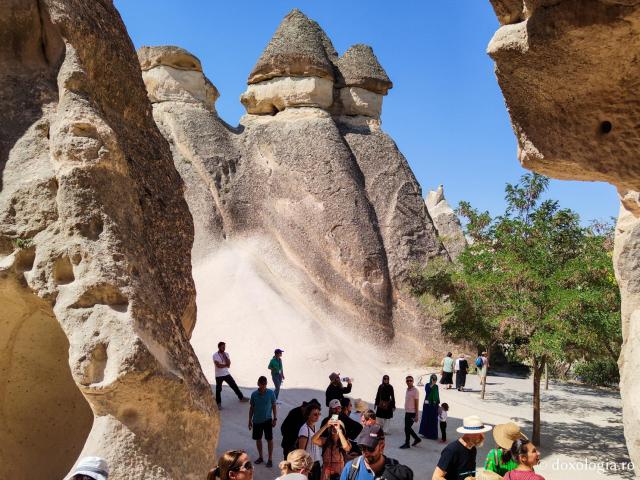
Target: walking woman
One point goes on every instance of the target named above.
(233, 465)
(447, 371)
(429, 422)
(385, 403)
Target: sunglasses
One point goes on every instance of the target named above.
(245, 466)
(368, 449)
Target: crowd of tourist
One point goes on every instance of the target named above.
(339, 447)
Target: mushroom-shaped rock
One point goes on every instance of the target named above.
(446, 222)
(363, 82)
(173, 74)
(295, 70)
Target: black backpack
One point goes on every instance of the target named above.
(392, 470)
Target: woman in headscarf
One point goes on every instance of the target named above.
(385, 403)
(429, 422)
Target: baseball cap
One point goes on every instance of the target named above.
(334, 376)
(277, 350)
(370, 436)
(94, 467)
(335, 403)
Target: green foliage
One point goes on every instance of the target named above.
(22, 243)
(602, 372)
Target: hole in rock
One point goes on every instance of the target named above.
(92, 229)
(45, 419)
(25, 259)
(103, 294)
(606, 127)
(63, 271)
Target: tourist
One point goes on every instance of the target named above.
(500, 460)
(291, 426)
(335, 408)
(461, 368)
(222, 362)
(360, 407)
(411, 399)
(306, 433)
(297, 466)
(447, 371)
(277, 373)
(443, 413)
(368, 418)
(335, 446)
(232, 465)
(482, 364)
(385, 403)
(352, 427)
(91, 468)
(429, 422)
(458, 459)
(261, 420)
(373, 464)
(527, 456)
(336, 390)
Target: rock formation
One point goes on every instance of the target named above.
(335, 205)
(95, 236)
(446, 222)
(566, 68)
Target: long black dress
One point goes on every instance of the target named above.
(385, 401)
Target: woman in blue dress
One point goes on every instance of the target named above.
(429, 421)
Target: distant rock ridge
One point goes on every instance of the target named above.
(446, 222)
(310, 172)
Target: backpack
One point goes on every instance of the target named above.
(479, 362)
(392, 470)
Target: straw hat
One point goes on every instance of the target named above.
(482, 474)
(472, 425)
(360, 405)
(507, 433)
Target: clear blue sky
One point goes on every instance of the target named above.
(445, 111)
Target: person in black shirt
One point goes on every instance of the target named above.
(335, 390)
(291, 426)
(458, 459)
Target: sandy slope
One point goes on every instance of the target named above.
(243, 302)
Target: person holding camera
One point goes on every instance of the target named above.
(335, 390)
(335, 446)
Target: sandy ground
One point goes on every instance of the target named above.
(582, 427)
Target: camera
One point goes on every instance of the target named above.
(347, 379)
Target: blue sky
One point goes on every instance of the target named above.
(445, 112)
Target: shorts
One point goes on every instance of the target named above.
(260, 428)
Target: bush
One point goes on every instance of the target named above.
(602, 373)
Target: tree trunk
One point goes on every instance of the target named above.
(546, 376)
(538, 368)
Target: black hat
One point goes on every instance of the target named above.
(370, 436)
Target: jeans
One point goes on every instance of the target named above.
(277, 381)
(231, 382)
(408, 428)
(443, 431)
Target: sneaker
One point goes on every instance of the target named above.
(258, 461)
(269, 464)
(416, 442)
(404, 445)
(243, 400)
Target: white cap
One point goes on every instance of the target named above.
(94, 467)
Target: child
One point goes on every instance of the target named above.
(442, 416)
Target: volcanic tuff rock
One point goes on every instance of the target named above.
(335, 205)
(447, 223)
(97, 298)
(566, 69)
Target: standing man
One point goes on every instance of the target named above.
(462, 367)
(482, 362)
(335, 390)
(222, 363)
(458, 459)
(411, 399)
(261, 420)
(277, 373)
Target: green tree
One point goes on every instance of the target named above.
(534, 281)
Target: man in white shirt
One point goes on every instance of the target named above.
(222, 363)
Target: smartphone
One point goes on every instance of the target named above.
(334, 418)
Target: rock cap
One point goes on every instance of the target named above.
(359, 67)
(170, 56)
(299, 47)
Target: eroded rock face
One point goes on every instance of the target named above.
(98, 301)
(566, 70)
(446, 222)
(332, 206)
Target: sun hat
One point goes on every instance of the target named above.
(506, 433)
(94, 467)
(334, 376)
(472, 425)
(483, 474)
(361, 405)
(335, 403)
(370, 436)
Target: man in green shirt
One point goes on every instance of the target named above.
(277, 373)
